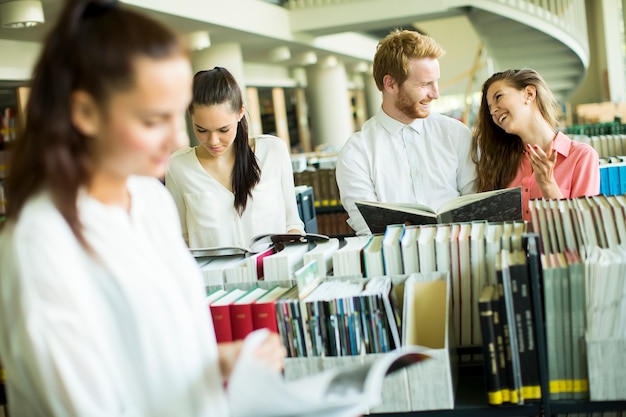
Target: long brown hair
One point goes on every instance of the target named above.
(218, 86)
(497, 154)
(92, 47)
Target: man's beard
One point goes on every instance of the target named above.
(409, 107)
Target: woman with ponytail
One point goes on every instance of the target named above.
(230, 187)
(102, 309)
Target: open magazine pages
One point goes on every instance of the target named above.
(255, 390)
(259, 244)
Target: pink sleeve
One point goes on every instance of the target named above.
(586, 173)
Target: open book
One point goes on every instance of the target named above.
(255, 390)
(258, 244)
(493, 206)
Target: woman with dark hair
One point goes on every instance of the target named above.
(230, 187)
(102, 309)
(516, 142)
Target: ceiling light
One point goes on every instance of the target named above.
(198, 40)
(361, 67)
(21, 13)
(329, 62)
(280, 53)
(307, 58)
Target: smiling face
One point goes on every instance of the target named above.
(412, 100)
(215, 128)
(509, 107)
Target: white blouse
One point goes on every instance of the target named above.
(124, 333)
(206, 208)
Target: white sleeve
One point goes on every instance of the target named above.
(176, 192)
(289, 194)
(466, 170)
(355, 183)
(46, 307)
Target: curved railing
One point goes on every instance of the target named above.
(567, 15)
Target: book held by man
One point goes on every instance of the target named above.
(493, 206)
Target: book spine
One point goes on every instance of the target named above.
(501, 346)
(532, 245)
(494, 390)
(221, 323)
(241, 320)
(510, 336)
(531, 389)
(264, 316)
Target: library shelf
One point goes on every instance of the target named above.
(329, 209)
(471, 401)
(585, 406)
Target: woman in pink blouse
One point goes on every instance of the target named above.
(516, 142)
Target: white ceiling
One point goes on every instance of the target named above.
(255, 48)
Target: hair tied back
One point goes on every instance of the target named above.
(96, 8)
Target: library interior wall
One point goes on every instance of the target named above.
(595, 87)
(18, 58)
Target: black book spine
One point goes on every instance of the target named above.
(501, 360)
(510, 335)
(492, 374)
(531, 389)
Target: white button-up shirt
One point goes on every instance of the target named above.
(123, 333)
(426, 162)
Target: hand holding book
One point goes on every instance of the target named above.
(346, 392)
(494, 206)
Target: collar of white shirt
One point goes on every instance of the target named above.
(394, 127)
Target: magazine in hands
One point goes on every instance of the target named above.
(256, 390)
(258, 244)
(493, 206)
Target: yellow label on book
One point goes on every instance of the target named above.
(581, 385)
(506, 395)
(569, 385)
(495, 398)
(556, 386)
(531, 392)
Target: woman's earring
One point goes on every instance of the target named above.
(527, 102)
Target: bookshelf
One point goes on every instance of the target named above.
(12, 100)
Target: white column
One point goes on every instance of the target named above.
(616, 76)
(329, 104)
(227, 55)
(373, 96)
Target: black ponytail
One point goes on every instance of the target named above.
(218, 86)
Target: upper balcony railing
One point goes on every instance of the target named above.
(568, 15)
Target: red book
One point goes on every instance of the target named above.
(220, 312)
(264, 310)
(241, 313)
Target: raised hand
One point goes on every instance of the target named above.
(543, 164)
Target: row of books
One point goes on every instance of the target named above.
(511, 331)
(613, 175)
(583, 266)
(605, 145)
(467, 251)
(8, 124)
(324, 185)
(579, 223)
(464, 250)
(337, 317)
(333, 224)
(596, 129)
